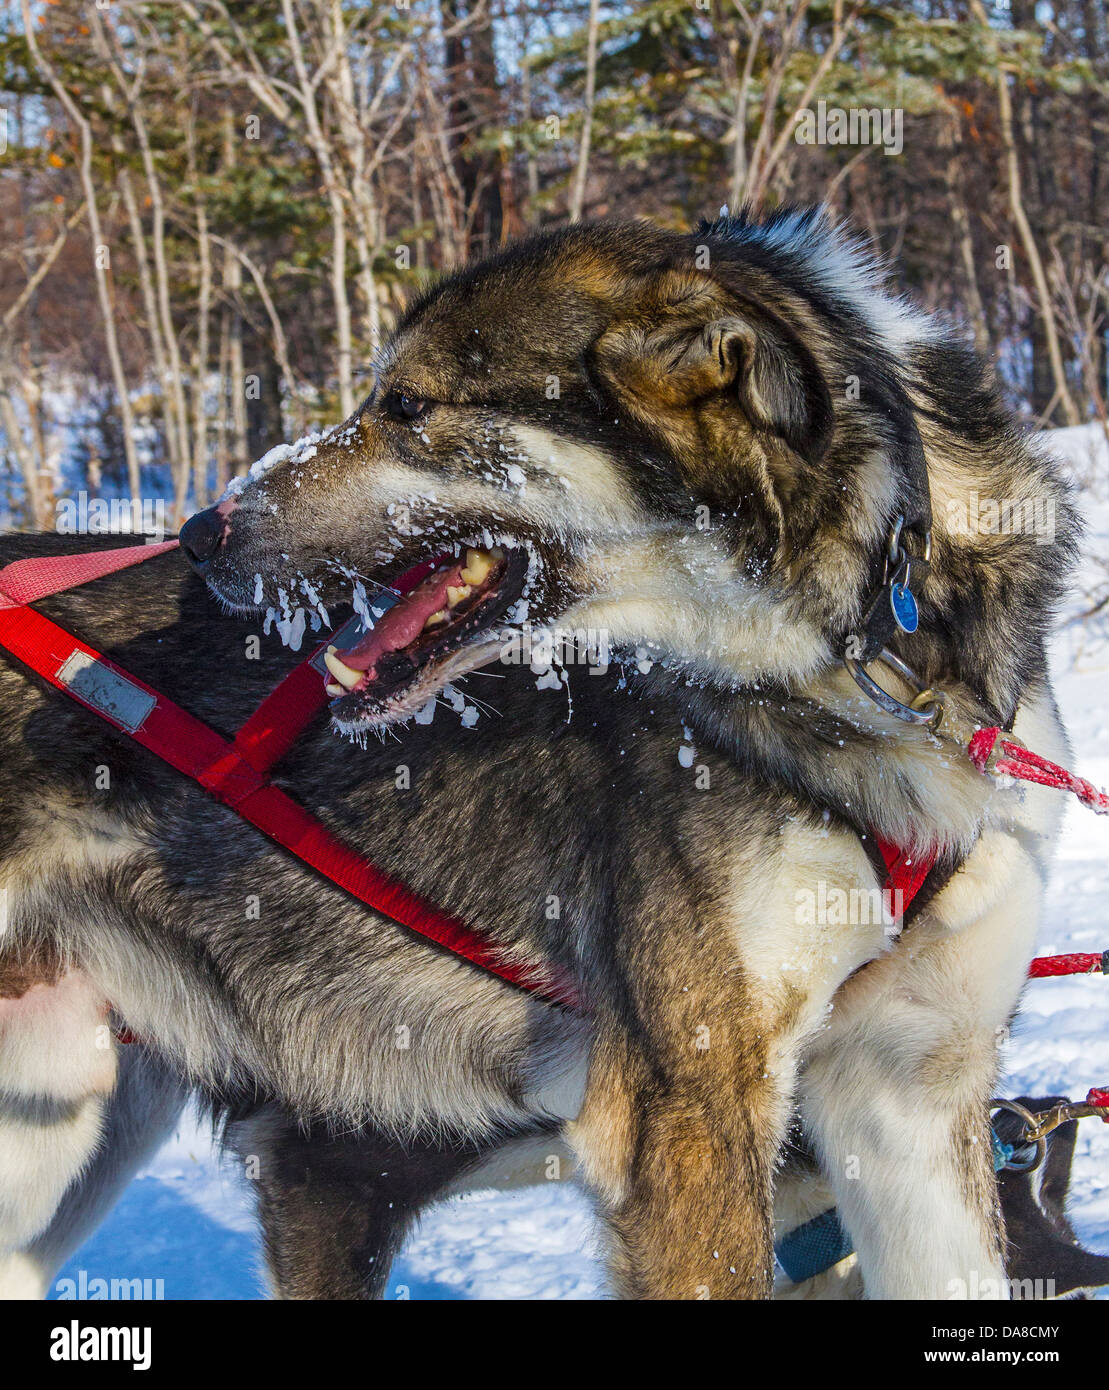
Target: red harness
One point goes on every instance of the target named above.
(235, 773)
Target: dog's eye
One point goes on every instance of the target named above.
(401, 406)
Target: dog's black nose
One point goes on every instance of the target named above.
(202, 535)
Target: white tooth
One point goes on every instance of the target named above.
(436, 619)
(332, 689)
(478, 565)
(456, 593)
(340, 670)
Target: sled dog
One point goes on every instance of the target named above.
(662, 478)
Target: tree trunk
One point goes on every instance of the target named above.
(473, 106)
(25, 457)
(961, 222)
(322, 150)
(153, 323)
(1024, 228)
(581, 172)
(200, 362)
(100, 250)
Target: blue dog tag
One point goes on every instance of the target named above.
(904, 607)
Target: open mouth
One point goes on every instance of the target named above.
(438, 631)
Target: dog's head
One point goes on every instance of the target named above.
(613, 428)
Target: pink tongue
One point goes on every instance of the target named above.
(404, 622)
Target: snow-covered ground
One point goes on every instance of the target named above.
(186, 1218)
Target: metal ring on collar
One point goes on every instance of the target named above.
(894, 548)
(896, 555)
(930, 701)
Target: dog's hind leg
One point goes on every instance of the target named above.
(57, 1071)
(335, 1208)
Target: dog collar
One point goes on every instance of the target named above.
(892, 606)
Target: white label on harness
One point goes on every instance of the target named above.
(121, 700)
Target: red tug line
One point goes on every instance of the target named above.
(1079, 963)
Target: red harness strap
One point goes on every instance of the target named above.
(990, 751)
(905, 875)
(234, 773)
(290, 707)
(26, 581)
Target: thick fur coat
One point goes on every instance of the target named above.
(696, 447)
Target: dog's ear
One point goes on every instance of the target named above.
(701, 349)
(776, 379)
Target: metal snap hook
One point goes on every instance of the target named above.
(1029, 1137)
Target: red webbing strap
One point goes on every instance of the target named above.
(191, 747)
(282, 717)
(26, 581)
(905, 874)
(908, 876)
(45, 648)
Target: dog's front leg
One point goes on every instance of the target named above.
(692, 1072)
(896, 1091)
(681, 1156)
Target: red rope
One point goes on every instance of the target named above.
(1078, 963)
(1099, 1097)
(1017, 761)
